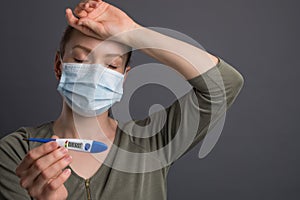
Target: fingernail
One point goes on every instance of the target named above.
(53, 145)
(64, 150)
(67, 171)
(68, 159)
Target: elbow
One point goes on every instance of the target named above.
(236, 86)
(238, 83)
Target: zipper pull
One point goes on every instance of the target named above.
(87, 187)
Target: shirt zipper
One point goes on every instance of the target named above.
(87, 187)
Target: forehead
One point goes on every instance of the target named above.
(96, 46)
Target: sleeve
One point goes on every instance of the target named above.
(213, 94)
(12, 151)
(173, 131)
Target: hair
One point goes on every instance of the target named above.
(67, 36)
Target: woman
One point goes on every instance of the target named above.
(102, 34)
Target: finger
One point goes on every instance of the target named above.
(75, 24)
(92, 1)
(54, 170)
(83, 9)
(40, 165)
(94, 4)
(91, 24)
(59, 181)
(93, 28)
(82, 5)
(99, 10)
(90, 6)
(72, 20)
(48, 160)
(80, 10)
(87, 31)
(51, 172)
(89, 9)
(55, 137)
(33, 155)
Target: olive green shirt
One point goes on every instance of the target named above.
(136, 168)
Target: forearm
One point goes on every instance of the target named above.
(188, 60)
(107, 21)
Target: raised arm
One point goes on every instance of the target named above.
(105, 21)
(178, 128)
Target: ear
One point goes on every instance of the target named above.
(57, 65)
(128, 68)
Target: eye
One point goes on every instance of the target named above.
(112, 66)
(78, 61)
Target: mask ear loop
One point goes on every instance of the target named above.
(60, 58)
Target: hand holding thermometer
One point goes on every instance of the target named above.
(89, 146)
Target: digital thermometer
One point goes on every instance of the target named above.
(89, 146)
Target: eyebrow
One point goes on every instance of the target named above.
(87, 50)
(113, 55)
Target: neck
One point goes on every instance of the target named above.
(71, 125)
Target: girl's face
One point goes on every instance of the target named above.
(85, 49)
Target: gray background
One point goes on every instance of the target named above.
(257, 156)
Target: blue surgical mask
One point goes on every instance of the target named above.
(90, 89)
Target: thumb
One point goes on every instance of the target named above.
(72, 20)
(55, 137)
